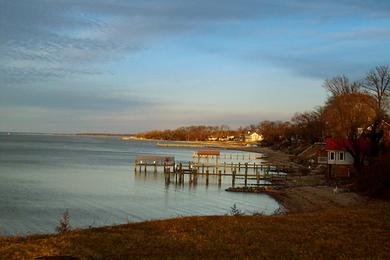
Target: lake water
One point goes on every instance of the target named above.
(41, 176)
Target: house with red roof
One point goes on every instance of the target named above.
(336, 154)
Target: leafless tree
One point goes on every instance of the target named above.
(340, 85)
(377, 83)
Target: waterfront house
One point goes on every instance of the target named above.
(212, 138)
(253, 137)
(337, 156)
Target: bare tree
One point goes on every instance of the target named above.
(377, 82)
(340, 85)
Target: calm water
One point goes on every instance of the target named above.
(93, 177)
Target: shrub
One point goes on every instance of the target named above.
(234, 211)
(64, 225)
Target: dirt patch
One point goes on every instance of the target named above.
(307, 199)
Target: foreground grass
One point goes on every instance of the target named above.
(334, 233)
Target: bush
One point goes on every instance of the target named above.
(64, 225)
(234, 211)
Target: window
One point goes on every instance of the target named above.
(331, 156)
(341, 156)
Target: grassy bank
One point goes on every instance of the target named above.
(333, 233)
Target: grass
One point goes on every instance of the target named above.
(335, 233)
(311, 180)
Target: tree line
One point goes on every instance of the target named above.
(353, 109)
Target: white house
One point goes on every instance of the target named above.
(339, 160)
(254, 137)
(340, 157)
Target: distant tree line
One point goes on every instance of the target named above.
(189, 133)
(352, 110)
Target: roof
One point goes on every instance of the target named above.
(340, 144)
(209, 153)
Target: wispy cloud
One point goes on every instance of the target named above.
(54, 53)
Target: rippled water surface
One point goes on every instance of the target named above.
(93, 177)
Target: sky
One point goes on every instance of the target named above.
(129, 66)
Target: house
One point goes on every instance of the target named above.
(338, 158)
(230, 138)
(253, 137)
(212, 138)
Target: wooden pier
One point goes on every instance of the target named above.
(246, 174)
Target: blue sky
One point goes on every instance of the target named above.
(129, 66)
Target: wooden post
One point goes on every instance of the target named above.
(257, 178)
(198, 162)
(202, 168)
(168, 176)
(140, 168)
(207, 162)
(239, 166)
(155, 167)
(233, 177)
(224, 167)
(190, 177)
(195, 177)
(254, 167)
(219, 178)
(180, 176)
(246, 174)
(207, 177)
(145, 168)
(216, 163)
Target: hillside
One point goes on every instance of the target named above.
(360, 232)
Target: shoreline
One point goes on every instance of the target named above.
(304, 192)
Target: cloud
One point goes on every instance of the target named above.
(80, 36)
(55, 54)
(73, 100)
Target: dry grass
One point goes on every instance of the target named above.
(335, 233)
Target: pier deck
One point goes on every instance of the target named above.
(253, 173)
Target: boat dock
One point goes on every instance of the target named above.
(207, 164)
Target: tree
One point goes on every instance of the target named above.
(350, 117)
(377, 83)
(309, 126)
(64, 225)
(340, 85)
